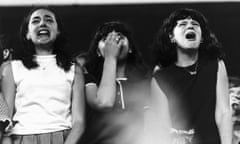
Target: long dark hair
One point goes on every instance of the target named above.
(95, 62)
(28, 51)
(166, 50)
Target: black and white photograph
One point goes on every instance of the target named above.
(119, 72)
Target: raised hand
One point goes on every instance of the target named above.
(111, 46)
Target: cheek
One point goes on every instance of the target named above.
(55, 31)
(176, 34)
(200, 34)
(31, 27)
(30, 31)
(29, 35)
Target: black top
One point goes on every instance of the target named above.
(119, 125)
(192, 98)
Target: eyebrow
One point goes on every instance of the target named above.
(184, 21)
(45, 16)
(48, 16)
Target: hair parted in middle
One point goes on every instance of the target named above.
(28, 51)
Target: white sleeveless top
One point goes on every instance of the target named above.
(43, 97)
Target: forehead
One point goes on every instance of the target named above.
(42, 13)
(108, 31)
(188, 19)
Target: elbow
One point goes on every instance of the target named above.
(105, 102)
(79, 125)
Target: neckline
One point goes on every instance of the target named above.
(190, 69)
(186, 66)
(44, 57)
(121, 78)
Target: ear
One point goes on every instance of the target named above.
(98, 53)
(171, 37)
(130, 51)
(28, 37)
(58, 32)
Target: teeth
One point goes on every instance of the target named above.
(43, 32)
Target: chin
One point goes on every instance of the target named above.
(193, 46)
(43, 42)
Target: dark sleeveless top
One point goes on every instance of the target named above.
(192, 98)
(118, 125)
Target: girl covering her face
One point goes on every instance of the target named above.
(117, 94)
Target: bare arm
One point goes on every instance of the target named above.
(158, 116)
(4, 113)
(8, 87)
(78, 107)
(223, 113)
(8, 91)
(106, 92)
(103, 96)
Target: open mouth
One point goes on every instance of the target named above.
(43, 32)
(190, 36)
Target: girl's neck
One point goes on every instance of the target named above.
(43, 50)
(186, 58)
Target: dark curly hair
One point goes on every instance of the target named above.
(94, 63)
(28, 51)
(166, 50)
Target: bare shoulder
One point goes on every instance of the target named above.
(222, 67)
(6, 68)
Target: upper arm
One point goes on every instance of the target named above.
(222, 98)
(160, 103)
(157, 117)
(8, 87)
(91, 94)
(78, 100)
(92, 98)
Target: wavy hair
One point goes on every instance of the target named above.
(95, 62)
(166, 50)
(28, 51)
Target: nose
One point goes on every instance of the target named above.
(42, 23)
(189, 25)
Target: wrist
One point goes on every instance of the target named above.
(110, 58)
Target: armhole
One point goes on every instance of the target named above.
(71, 73)
(90, 84)
(13, 67)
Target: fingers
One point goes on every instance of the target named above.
(123, 41)
(113, 37)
